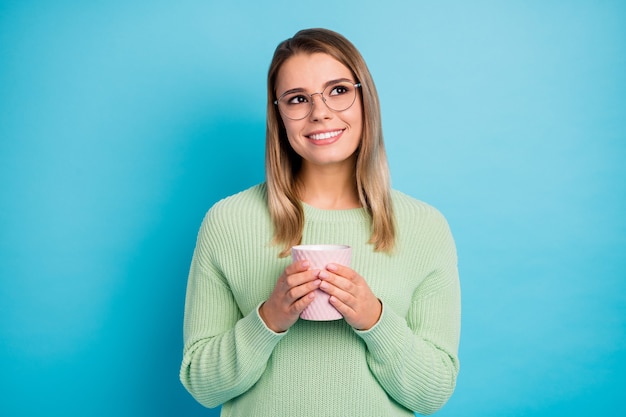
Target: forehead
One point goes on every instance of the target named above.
(310, 72)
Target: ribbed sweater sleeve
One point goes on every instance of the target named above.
(224, 352)
(415, 358)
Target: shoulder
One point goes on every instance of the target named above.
(230, 224)
(405, 205)
(245, 206)
(253, 198)
(415, 216)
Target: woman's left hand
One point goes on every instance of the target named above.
(351, 296)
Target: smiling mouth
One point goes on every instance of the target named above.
(325, 135)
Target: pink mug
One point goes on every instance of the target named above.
(319, 256)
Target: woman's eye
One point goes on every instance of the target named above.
(339, 89)
(299, 99)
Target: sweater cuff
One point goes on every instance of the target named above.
(259, 319)
(385, 334)
(257, 335)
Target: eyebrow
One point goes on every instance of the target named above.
(326, 84)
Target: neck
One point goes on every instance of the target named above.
(330, 187)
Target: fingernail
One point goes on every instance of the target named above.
(306, 264)
(323, 274)
(331, 267)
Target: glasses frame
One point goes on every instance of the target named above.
(321, 94)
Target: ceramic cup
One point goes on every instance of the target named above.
(319, 256)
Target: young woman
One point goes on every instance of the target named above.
(327, 182)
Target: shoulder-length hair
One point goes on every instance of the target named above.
(282, 163)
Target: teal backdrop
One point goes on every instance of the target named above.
(122, 122)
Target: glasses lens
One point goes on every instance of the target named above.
(295, 105)
(298, 105)
(340, 96)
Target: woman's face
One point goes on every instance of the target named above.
(324, 137)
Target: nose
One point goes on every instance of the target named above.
(319, 109)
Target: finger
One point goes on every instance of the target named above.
(346, 310)
(300, 278)
(344, 296)
(342, 270)
(337, 281)
(303, 302)
(298, 266)
(300, 291)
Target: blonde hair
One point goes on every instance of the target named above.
(282, 163)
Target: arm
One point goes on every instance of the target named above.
(415, 357)
(224, 353)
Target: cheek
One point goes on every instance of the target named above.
(356, 121)
(292, 133)
(356, 113)
(288, 128)
(292, 129)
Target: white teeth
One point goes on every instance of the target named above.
(326, 135)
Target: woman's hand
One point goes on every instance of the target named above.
(351, 296)
(293, 292)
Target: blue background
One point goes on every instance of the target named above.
(122, 122)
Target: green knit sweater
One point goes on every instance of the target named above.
(407, 361)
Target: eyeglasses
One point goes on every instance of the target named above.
(338, 96)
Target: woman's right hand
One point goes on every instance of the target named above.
(294, 291)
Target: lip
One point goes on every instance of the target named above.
(324, 137)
